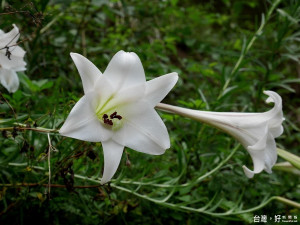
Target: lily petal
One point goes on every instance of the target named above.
(125, 70)
(103, 89)
(82, 122)
(112, 156)
(258, 156)
(10, 38)
(127, 96)
(89, 73)
(9, 79)
(17, 51)
(263, 154)
(276, 114)
(158, 88)
(144, 132)
(15, 63)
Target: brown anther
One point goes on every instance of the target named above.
(106, 120)
(115, 115)
(112, 116)
(8, 53)
(109, 122)
(118, 117)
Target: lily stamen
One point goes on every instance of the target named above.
(8, 53)
(115, 115)
(106, 120)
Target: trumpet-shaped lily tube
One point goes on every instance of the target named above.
(117, 109)
(255, 131)
(11, 59)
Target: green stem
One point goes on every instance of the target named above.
(293, 159)
(198, 180)
(215, 169)
(287, 201)
(248, 46)
(198, 210)
(164, 202)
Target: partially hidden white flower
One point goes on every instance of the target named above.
(118, 109)
(11, 59)
(255, 131)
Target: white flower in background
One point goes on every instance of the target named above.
(118, 109)
(255, 131)
(11, 59)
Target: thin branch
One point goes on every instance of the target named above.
(46, 185)
(12, 109)
(26, 39)
(81, 23)
(6, 46)
(38, 129)
(248, 47)
(9, 13)
(49, 163)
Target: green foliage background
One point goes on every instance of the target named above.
(202, 41)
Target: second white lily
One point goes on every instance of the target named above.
(118, 109)
(11, 59)
(255, 131)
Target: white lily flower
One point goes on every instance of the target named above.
(255, 131)
(11, 59)
(118, 109)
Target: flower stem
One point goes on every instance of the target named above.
(198, 210)
(293, 159)
(164, 201)
(287, 201)
(49, 164)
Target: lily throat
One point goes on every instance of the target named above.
(111, 120)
